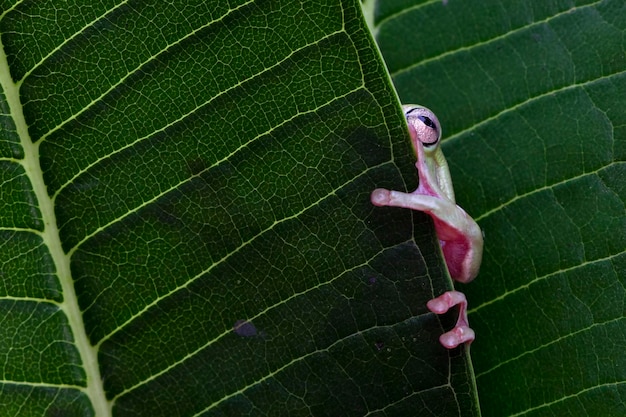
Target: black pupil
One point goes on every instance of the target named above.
(427, 121)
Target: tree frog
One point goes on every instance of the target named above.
(460, 237)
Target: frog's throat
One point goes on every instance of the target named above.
(442, 172)
(427, 172)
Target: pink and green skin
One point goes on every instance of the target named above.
(460, 237)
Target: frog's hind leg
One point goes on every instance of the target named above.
(461, 333)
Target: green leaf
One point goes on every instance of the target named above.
(531, 98)
(186, 220)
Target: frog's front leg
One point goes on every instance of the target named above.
(460, 237)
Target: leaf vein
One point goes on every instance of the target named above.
(550, 343)
(541, 278)
(250, 319)
(491, 40)
(130, 73)
(183, 117)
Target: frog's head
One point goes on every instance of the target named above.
(425, 132)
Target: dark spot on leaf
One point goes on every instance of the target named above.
(244, 328)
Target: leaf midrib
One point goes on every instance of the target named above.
(51, 238)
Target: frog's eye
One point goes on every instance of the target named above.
(431, 136)
(428, 121)
(424, 124)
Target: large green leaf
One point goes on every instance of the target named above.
(186, 220)
(532, 96)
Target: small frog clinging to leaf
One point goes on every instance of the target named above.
(460, 237)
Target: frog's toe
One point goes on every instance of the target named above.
(461, 333)
(457, 336)
(380, 197)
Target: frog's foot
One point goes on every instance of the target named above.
(461, 333)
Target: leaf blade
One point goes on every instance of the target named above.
(536, 153)
(214, 220)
